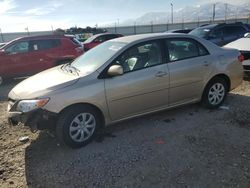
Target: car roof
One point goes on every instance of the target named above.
(103, 34)
(134, 38)
(42, 37)
(210, 26)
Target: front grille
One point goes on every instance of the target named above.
(246, 54)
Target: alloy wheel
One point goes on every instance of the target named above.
(82, 127)
(216, 94)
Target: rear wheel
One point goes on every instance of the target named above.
(215, 93)
(77, 126)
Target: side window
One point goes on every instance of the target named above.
(19, 47)
(217, 33)
(44, 44)
(109, 37)
(100, 39)
(239, 30)
(234, 31)
(179, 49)
(141, 56)
(202, 50)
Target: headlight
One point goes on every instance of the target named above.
(28, 105)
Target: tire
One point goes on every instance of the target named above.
(75, 132)
(215, 93)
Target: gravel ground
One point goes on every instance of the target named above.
(184, 147)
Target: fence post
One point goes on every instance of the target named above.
(152, 27)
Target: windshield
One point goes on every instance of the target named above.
(90, 39)
(200, 32)
(94, 58)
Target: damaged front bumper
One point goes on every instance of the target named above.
(38, 119)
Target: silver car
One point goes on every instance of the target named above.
(124, 78)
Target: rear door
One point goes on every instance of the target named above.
(44, 54)
(143, 87)
(189, 66)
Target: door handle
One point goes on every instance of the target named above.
(160, 74)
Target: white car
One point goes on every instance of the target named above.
(243, 45)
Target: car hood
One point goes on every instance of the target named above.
(43, 83)
(242, 44)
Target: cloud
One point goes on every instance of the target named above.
(43, 10)
(7, 5)
(233, 2)
(18, 24)
(37, 11)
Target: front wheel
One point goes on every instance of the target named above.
(77, 126)
(215, 93)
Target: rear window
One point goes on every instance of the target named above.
(200, 32)
(234, 30)
(75, 41)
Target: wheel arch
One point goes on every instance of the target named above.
(221, 75)
(98, 110)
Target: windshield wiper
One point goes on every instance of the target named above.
(70, 68)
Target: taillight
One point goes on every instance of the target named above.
(241, 58)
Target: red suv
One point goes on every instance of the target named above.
(98, 39)
(28, 55)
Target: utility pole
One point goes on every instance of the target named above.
(226, 6)
(182, 21)
(172, 12)
(236, 15)
(214, 11)
(135, 28)
(1, 35)
(27, 29)
(152, 27)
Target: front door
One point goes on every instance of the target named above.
(15, 60)
(143, 87)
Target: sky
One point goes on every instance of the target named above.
(16, 15)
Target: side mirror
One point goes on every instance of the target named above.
(247, 35)
(115, 70)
